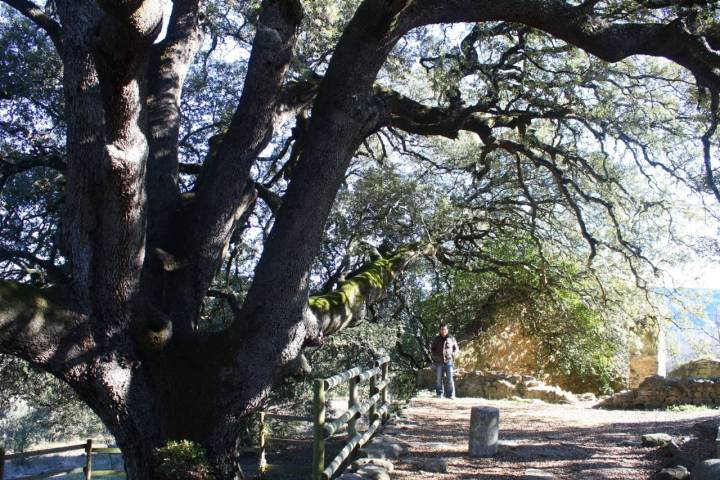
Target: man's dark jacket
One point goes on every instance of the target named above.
(444, 349)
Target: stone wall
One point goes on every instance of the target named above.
(502, 347)
(702, 368)
(496, 385)
(660, 392)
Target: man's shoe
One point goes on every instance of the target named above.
(438, 396)
(452, 397)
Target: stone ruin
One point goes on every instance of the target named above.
(661, 392)
(497, 385)
(694, 383)
(702, 368)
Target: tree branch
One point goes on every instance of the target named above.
(271, 199)
(225, 190)
(169, 63)
(414, 117)
(347, 305)
(26, 162)
(40, 18)
(120, 51)
(55, 272)
(707, 158)
(40, 326)
(577, 26)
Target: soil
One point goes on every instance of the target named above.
(568, 441)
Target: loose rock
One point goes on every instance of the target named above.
(670, 449)
(374, 472)
(656, 439)
(674, 473)
(535, 474)
(707, 470)
(437, 465)
(630, 443)
(362, 462)
(680, 460)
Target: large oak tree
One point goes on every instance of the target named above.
(136, 254)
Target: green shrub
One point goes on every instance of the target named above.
(182, 460)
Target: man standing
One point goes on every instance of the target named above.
(444, 349)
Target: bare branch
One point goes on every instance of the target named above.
(57, 274)
(40, 18)
(24, 163)
(578, 26)
(706, 141)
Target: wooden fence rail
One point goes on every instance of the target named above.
(87, 470)
(375, 408)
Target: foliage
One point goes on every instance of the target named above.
(36, 407)
(689, 407)
(182, 460)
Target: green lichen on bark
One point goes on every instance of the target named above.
(375, 275)
(374, 278)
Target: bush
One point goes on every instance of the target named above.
(36, 407)
(182, 460)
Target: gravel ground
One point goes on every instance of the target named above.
(569, 441)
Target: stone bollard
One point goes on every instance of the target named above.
(484, 424)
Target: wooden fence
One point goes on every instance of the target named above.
(375, 408)
(265, 438)
(87, 470)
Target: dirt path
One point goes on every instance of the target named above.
(569, 441)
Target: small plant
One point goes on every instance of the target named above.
(688, 407)
(182, 460)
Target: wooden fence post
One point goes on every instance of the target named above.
(372, 413)
(2, 463)
(352, 401)
(262, 467)
(384, 397)
(88, 460)
(319, 423)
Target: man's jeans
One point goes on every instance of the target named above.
(447, 369)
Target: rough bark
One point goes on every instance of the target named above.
(168, 67)
(226, 191)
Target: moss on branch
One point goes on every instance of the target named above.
(346, 305)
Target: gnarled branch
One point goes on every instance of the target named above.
(40, 18)
(346, 306)
(40, 326)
